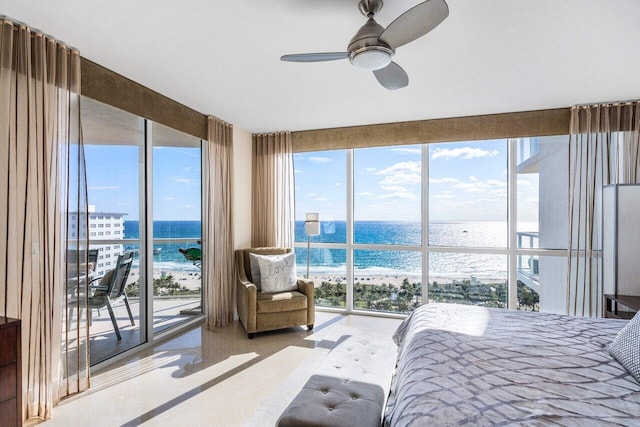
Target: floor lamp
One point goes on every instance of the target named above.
(311, 228)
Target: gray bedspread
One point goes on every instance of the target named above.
(467, 365)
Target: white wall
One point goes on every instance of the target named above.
(242, 174)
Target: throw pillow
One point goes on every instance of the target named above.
(277, 273)
(626, 347)
(255, 269)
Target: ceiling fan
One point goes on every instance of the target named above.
(373, 46)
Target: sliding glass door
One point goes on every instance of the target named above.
(144, 192)
(177, 221)
(115, 151)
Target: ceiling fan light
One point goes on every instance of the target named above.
(371, 58)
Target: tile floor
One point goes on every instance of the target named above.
(220, 378)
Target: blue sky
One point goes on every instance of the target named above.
(113, 181)
(467, 182)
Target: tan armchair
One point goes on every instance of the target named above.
(260, 312)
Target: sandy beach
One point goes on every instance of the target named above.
(188, 279)
(377, 279)
(391, 279)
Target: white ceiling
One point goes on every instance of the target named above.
(222, 57)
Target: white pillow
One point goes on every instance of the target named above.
(255, 269)
(277, 272)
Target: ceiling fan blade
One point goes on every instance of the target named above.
(415, 23)
(392, 76)
(315, 57)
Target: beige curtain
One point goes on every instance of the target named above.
(39, 139)
(604, 149)
(273, 191)
(217, 224)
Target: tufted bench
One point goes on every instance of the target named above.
(348, 389)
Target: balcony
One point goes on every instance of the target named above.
(528, 266)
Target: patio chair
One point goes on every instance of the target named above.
(81, 261)
(110, 289)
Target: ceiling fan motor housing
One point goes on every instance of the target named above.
(366, 50)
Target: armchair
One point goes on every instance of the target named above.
(261, 312)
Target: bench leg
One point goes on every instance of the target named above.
(250, 336)
(310, 327)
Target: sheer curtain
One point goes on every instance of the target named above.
(604, 149)
(39, 141)
(273, 191)
(217, 224)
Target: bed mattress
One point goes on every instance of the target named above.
(468, 365)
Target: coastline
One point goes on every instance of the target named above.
(394, 279)
(189, 279)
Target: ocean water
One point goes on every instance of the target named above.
(485, 234)
(166, 256)
(366, 262)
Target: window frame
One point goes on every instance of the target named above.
(512, 252)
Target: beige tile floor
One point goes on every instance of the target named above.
(219, 378)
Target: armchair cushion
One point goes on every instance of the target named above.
(277, 272)
(283, 301)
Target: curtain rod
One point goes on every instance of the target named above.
(35, 30)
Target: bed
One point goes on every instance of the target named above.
(468, 365)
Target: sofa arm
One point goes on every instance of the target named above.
(306, 287)
(247, 294)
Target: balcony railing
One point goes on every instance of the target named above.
(528, 265)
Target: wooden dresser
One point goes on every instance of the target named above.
(10, 364)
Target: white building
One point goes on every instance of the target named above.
(548, 158)
(102, 226)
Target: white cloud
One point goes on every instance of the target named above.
(401, 178)
(318, 159)
(298, 171)
(480, 187)
(169, 198)
(370, 169)
(443, 181)
(463, 153)
(409, 166)
(408, 150)
(320, 199)
(188, 207)
(103, 187)
(398, 195)
(473, 178)
(443, 196)
(365, 194)
(472, 187)
(187, 181)
(312, 194)
(394, 188)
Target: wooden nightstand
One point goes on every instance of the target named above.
(621, 306)
(10, 378)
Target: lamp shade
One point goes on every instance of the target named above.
(312, 224)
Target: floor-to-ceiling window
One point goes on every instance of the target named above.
(328, 196)
(144, 194)
(480, 222)
(177, 221)
(387, 206)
